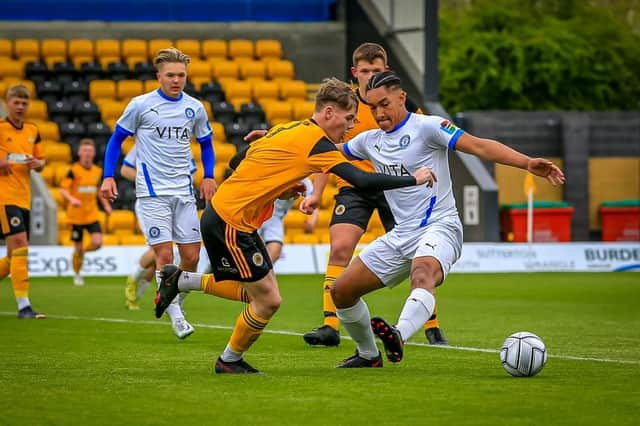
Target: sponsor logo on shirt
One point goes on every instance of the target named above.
(448, 127)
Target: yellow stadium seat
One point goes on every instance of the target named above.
(107, 48)
(133, 240)
(6, 48)
(265, 90)
(278, 111)
(280, 70)
(207, 107)
(37, 110)
(238, 102)
(218, 131)
(189, 47)
(151, 85)
(198, 68)
(295, 220)
(26, 47)
(323, 236)
(52, 60)
(63, 224)
(128, 143)
(224, 152)
(133, 60)
(48, 174)
(199, 81)
(80, 47)
(112, 110)
(293, 89)
(59, 152)
(128, 88)
(134, 48)
(368, 237)
(61, 170)
(218, 172)
(110, 240)
(302, 238)
(240, 48)
(327, 199)
(49, 130)
(157, 44)
(53, 47)
(121, 220)
(303, 109)
(214, 49)
(324, 218)
(106, 60)
(10, 68)
(268, 49)
(253, 70)
(238, 89)
(79, 60)
(224, 69)
(64, 237)
(102, 89)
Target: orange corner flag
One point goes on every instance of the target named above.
(529, 184)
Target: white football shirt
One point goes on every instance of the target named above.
(419, 140)
(163, 128)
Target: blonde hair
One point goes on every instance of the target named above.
(168, 55)
(18, 91)
(337, 92)
(87, 141)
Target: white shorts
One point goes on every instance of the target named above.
(169, 218)
(389, 257)
(272, 230)
(139, 216)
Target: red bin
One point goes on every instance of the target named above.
(551, 222)
(620, 220)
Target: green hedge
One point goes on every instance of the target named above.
(537, 55)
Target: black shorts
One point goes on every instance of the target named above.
(13, 220)
(234, 255)
(356, 207)
(92, 228)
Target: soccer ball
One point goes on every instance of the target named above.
(523, 354)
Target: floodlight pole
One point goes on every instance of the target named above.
(431, 76)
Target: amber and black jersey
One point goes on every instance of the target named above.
(82, 183)
(15, 144)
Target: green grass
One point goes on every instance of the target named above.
(92, 362)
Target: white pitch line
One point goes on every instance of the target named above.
(293, 333)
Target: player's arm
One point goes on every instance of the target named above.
(109, 189)
(128, 172)
(208, 186)
(491, 150)
(65, 185)
(36, 161)
(312, 202)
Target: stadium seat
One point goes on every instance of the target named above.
(280, 70)
(48, 174)
(26, 48)
(157, 44)
(112, 110)
(110, 240)
(134, 48)
(10, 68)
(240, 48)
(61, 111)
(117, 71)
(218, 131)
(224, 152)
(90, 71)
(218, 172)
(61, 170)
(150, 85)
(6, 48)
(302, 238)
(265, 90)
(212, 92)
(253, 70)
(86, 112)
(268, 49)
(49, 91)
(76, 91)
(224, 69)
(99, 132)
(71, 132)
(102, 89)
(223, 112)
(133, 240)
(236, 132)
(49, 130)
(36, 71)
(142, 70)
(293, 89)
(80, 47)
(190, 47)
(63, 223)
(127, 89)
(57, 152)
(303, 109)
(237, 89)
(107, 48)
(295, 219)
(368, 237)
(198, 68)
(214, 49)
(64, 72)
(278, 112)
(53, 48)
(64, 237)
(37, 110)
(121, 220)
(106, 60)
(251, 114)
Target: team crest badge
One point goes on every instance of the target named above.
(190, 113)
(14, 221)
(404, 141)
(257, 259)
(154, 232)
(340, 209)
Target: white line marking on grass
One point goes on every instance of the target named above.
(293, 333)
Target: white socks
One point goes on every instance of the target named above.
(22, 302)
(174, 310)
(189, 281)
(137, 274)
(416, 311)
(230, 356)
(357, 321)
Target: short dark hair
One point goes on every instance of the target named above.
(369, 52)
(388, 79)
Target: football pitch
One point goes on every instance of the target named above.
(94, 363)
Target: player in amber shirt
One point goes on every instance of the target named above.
(20, 153)
(80, 189)
(354, 208)
(272, 168)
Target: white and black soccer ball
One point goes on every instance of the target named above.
(523, 354)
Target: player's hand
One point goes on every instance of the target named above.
(5, 166)
(309, 205)
(208, 187)
(109, 189)
(34, 163)
(254, 135)
(546, 169)
(108, 209)
(295, 191)
(74, 202)
(425, 175)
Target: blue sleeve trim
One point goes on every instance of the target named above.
(347, 151)
(147, 180)
(114, 148)
(454, 139)
(208, 155)
(128, 164)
